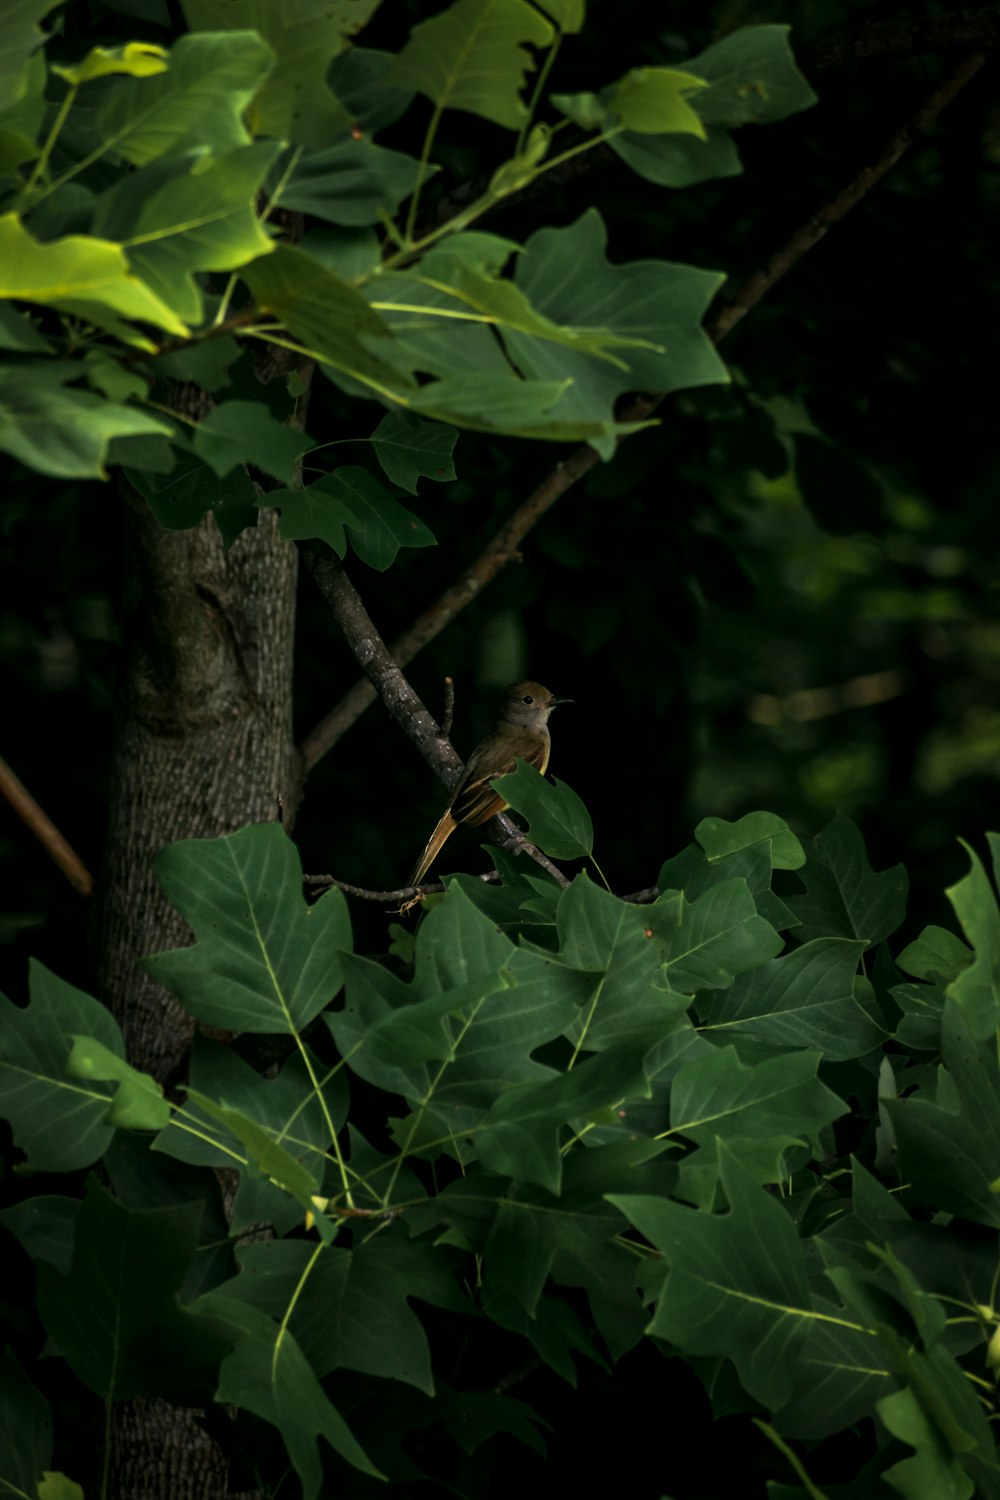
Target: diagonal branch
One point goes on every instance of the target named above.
(45, 831)
(565, 474)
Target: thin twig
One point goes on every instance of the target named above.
(565, 474)
(910, 36)
(45, 831)
(399, 697)
(449, 706)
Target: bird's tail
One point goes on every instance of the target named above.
(443, 831)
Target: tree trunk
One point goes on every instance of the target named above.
(203, 746)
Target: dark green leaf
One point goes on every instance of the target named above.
(353, 182)
(804, 999)
(716, 1095)
(844, 897)
(351, 499)
(736, 1284)
(264, 959)
(59, 430)
(179, 498)
(558, 821)
(59, 1124)
(240, 432)
(124, 1334)
(976, 989)
(267, 1374)
(25, 1430)
(409, 449)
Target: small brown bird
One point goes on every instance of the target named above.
(520, 733)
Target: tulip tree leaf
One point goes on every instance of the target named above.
(566, 275)
(844, 897)
(295, 102)
(83, 275)
(59, 1123)
(60, 430)
(350, 501)
(264, 960)
(201, 97)
(123, 1334)
(736, 1282)
(268, 1375)
(409, 449)
(470, 57)
(177, 216)
(558, 821)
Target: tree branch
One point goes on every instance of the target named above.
(45, 831)
(565, 474)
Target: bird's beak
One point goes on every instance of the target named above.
(554, 701)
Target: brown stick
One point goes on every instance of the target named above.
(505, 543)
(45, 831)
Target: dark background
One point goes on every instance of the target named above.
(783, 597)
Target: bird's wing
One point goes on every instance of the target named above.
(444, 830)
(476, 801)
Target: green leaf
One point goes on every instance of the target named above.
(60, 430)
(180, 215)
(620, 950)
(804, 999)
(558, 821)
(353, 1310)
(83, 275)
(44, 1226)
(647, 101)
(736, 1283)
(267, 1374)
(238, 432)
(719, 936)
(18, 41)
(469, 57)
(976, 989)
(844, 897)
(933, 1469)
(354, 499)
(565, 275)
(124, 1334)
(523, 1131)
(59, 1125)
(409, 449)
(138, 1102)
(752, 78)
(268, 1157)
(353, 182)
(949, 1148)
(720, 839)
(568, 15)
(716, 1096)
(484, 1008)
(201, 97)
(325, 314)
(296, 102)
(937, 954)
(17, 332)
(190, 490)
(25, 1430)
(264, 960)
(135, 59)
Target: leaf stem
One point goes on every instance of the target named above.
(411, 217)
(46, 151)
(536, 93)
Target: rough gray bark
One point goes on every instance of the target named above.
(203, 746)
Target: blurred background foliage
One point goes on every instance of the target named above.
(784, 596)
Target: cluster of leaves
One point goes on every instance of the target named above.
(724, 1122)
(153, 206)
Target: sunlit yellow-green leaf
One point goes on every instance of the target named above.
(138, 59)
(87, 277)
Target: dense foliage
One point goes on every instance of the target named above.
(549, 1172)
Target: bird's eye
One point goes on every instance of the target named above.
(527, 699)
